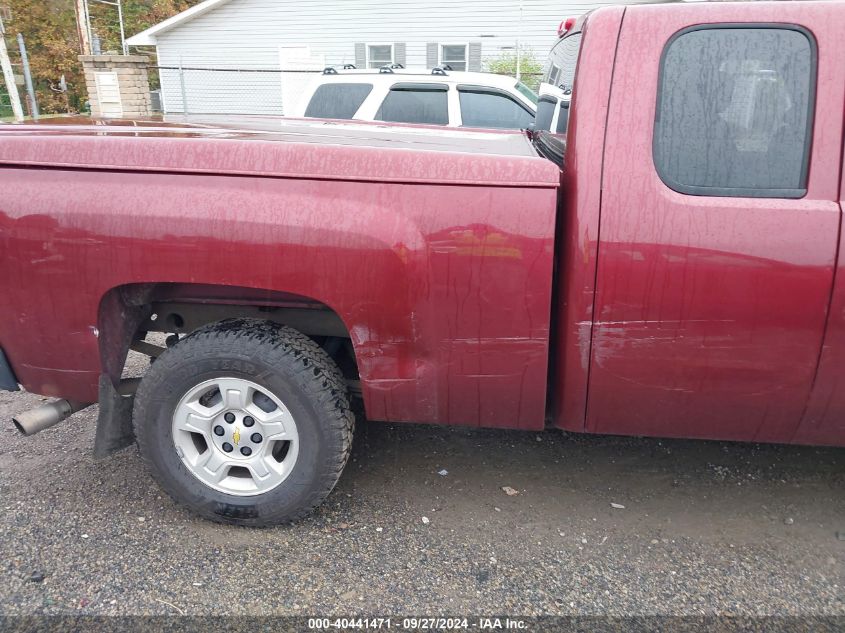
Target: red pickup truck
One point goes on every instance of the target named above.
(672, 267)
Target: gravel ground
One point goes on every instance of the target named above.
(706, 528)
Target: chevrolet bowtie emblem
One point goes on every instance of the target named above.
(236, 436)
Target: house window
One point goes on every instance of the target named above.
(379, 55)
(454, 55)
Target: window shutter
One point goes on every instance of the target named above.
(360, 55)
(431, 54)
(474, 57)
(399, 53)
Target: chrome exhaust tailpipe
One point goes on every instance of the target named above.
(47, 415)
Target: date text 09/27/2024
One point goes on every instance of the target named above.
(418, 624)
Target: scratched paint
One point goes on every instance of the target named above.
(710, 311)
(677, 315)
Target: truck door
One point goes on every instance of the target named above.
(824, 417)
(719, 221)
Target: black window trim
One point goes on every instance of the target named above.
(408, 86)
(743, 192)
(494, 91)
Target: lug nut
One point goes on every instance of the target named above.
(246, 451)
(218, 430)
(256, 438)
(248, 421)
(229, 417)
(228, 447)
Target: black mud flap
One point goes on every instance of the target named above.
(114, 425)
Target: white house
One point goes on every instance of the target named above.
(242, 56)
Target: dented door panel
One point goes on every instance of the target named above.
(710, 311)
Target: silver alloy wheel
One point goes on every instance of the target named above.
(235, 436)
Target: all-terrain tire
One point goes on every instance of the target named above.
(285, 363)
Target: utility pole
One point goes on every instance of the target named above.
(123, 45)
(8, 75)
(82, 27)
(27, 77)
(519, 44)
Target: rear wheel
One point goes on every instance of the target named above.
(245, 422)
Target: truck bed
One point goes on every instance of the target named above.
(281, 147)
(433, 247)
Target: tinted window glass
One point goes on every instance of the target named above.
(337, 101)
(545, 113)
(562, 62)
(563, 117)
(487, 109)
(734, 110)
(527, 92)
(415, 106)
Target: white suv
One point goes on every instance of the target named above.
(435, 97)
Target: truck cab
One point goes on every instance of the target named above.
(701, 224)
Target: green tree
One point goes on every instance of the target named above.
(138, 15)
(52, 41)
(530, 68)
(49, 29)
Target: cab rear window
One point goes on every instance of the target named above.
(337, 101)
(563, 61)
(734, 111)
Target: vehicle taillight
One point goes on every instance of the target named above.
(565, 26)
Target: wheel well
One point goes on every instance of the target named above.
(127, 313)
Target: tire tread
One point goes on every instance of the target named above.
(314, 371)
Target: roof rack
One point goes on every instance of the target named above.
(331, 70)
(388, 69)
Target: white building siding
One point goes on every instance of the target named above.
(248, 34)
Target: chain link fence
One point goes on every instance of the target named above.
(207, 90)
(193, 90)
